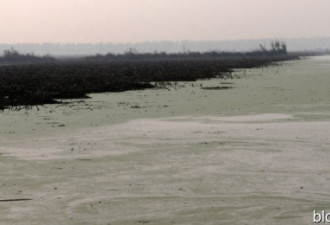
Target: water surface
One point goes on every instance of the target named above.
(257, 153)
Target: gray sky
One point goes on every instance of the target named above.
(116, 21)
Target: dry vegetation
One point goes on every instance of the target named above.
(27, 80)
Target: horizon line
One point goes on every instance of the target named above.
(163, 41)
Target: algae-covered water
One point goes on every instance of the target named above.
(255, 153)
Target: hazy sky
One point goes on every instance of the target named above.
(155, 20)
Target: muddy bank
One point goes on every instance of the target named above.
(44, 83)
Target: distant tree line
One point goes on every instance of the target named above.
(13, 56)
(277, 48)
(84, 49)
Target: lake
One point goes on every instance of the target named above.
(251, 150)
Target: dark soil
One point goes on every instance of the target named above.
(43, 83)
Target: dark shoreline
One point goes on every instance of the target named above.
(27, 84)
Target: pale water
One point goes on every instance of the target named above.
(254, 154)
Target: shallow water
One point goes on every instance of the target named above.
(253, 154)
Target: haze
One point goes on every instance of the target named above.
(94, 21)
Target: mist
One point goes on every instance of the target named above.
(81, 49)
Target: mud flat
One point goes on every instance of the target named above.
(257, 153)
